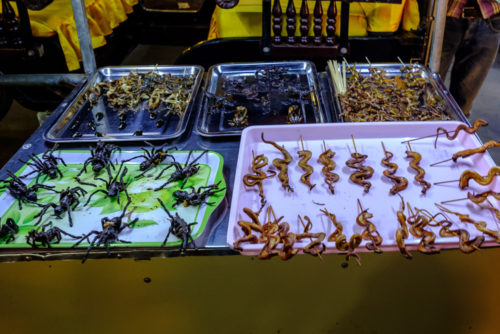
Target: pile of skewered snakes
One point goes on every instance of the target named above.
(379, 97)
(114, 182)
(275, 238)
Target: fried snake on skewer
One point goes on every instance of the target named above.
(461, 127)
(288, 239)
(482, 180)
(305, 156)
(469, 152)
(414, 163)
(370, 232)
(402, 232)
(316, 246)
(478, 199)
(363, 173)
(250, 180)
(418, 222)
(281, 164)
(326, 159)
(400, 183)
(247, 228)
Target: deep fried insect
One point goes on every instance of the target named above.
(370, 232)
(400, 183)
(240, 118)
(181, 173)
(68, 201)
(111, 229)
(46, 238)
(179, 228)
(250, 180)
(293, 116)
(326, 159)
(100, 158)
(10, 228)
(47, 165)
(415, 164)
(196, 196)
(305, 156)
(402, 231)
(114, 185)
(152, 158)
(20, 191)
(281, 164)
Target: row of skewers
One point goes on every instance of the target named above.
(415, 222)
(69, 199)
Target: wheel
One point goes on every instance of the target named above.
(5, 101)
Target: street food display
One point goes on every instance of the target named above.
(316, 221)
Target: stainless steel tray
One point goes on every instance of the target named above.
(80, 111)
(435, 87)
(213, 122)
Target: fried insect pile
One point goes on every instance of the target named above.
(281, 164)
(378, 97)
(250, 180)
(415, 164)
(326, 159)
(400, 183)
(240, 118)
(294, 115)
(166, 92)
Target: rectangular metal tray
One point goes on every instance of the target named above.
(343, 203)
(435, 87)
(80, 110)
(212, 123)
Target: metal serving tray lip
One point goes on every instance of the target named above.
(55, 133)
(218, 70)
(393, 69)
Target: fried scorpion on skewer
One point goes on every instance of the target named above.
(305, 156)
(400, 183)
(250, 180)
(479, 225)
(402, 231)
(414, 163)
(469, 152)
(316, 246)
(281, 164)
(326, 159)
(418, 222)
(363, 173)
(370, 232)
(461, 127)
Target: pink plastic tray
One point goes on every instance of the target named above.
(343, 203)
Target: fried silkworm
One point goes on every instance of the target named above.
(281, 164)
(462, 127)
(326, 159)
(400, 183)
(415, 164)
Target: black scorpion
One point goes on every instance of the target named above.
(111, 229)
(10, 228)
(179, 228)
(181, 173)
(196, 196)
(46, 238)
(20, 191)
(68, 201)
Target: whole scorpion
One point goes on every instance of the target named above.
(10, 228)
(47, 165)
(111, 229)
(46, 238)
(114, 185)
(68, 201)
(152, 158)
(179, 228)
(196, 197)
(100, 158)
(20, 191)
(181, 173)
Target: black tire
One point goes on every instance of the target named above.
(5, 101)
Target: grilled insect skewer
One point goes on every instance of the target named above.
(281, 164)
(326, 159)
(415, 164)
(305, 156)
(400, 183)
(467, 153)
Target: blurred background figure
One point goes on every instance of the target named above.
(471, 38)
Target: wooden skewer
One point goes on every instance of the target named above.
(368, 61)
(409, 146)
(401, 61)
(383, 146)
(429, 136)
(310, 238)
(360, 207)
(302, 143)
(354, 144)
(447, 181)
(454, 200)
(324, 146)
(253, 154)
(440, 162)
